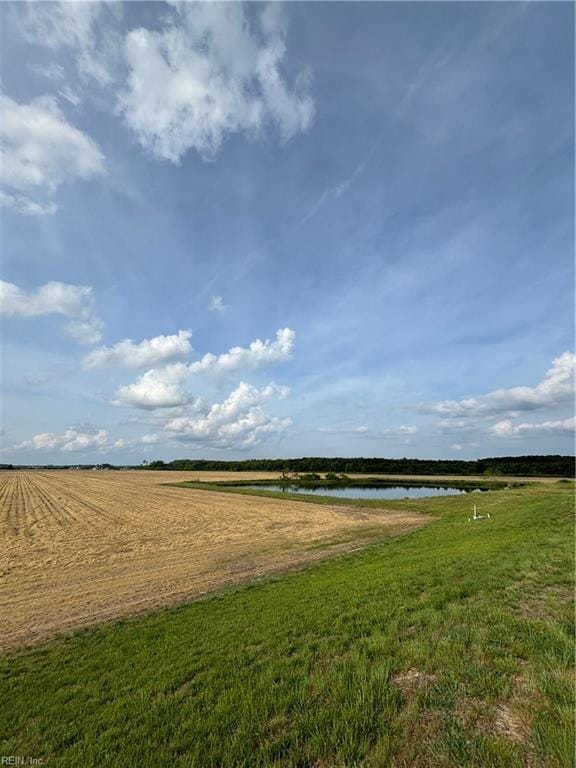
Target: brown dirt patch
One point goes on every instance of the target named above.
(83, 547)
(412, 680)
(544, 603)
(510, 724)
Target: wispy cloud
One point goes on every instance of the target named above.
(217, 305)
(390, 432)
(40, 150)
(332, 193)
(75, 302)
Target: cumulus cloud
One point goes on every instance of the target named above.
(157, 388)
(72, 440)
(506, 428)
(39, 151)
(238, 422)
(75, 302)
(165, 387)
(403, 430)
(149, 439)
(202, 73)
(555, 389)
(149, 352)
(259, 353)
(461, 446)
(83, 439)
(212, 70)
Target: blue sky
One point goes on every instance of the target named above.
(280, 230)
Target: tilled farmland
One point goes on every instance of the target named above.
(83, 547)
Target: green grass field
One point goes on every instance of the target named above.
(449, 646)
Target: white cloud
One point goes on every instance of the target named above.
(82, 439)
(75, 302)
(53, 71)
(149, 352)
(401, 431)
(556, 388)
(89, 29)
(36, 381)
(23, 204)
(39, 151)
(157, 388)
(334, 193)
(73, 439)
(259, 353)
(462, 446)
(217, 305)
(70, 95)
(238, 422)
(209, 72)
(361, 430)
(506, 428)
(165, 387)
(205, 71)
(59, 24)
(452, 425)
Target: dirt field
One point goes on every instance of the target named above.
(82, 547)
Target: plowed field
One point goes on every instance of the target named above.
(82, 547)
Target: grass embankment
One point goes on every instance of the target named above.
(451, 646)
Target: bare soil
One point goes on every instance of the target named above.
(84, 547)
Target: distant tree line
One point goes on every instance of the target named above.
(529, 466)
(64, 466)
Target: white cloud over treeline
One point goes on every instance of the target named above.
(73, 439)
(83, 439)
(506, 428)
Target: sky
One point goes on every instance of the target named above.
(281, 230)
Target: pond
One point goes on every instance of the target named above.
(366, 492)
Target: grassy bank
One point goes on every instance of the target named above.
(451, 646)
(250, 487)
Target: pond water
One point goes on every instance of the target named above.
(365, 492)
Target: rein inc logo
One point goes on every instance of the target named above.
(19, 760)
